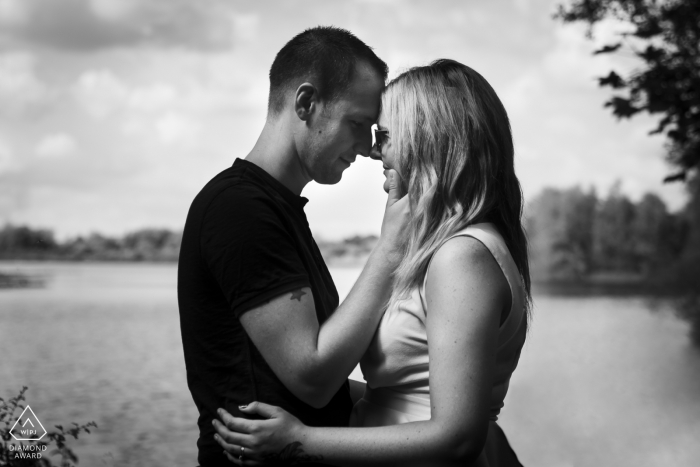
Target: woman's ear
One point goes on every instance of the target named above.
(305, 101)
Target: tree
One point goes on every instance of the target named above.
(559, 227)
(613, 229)
(650, 223)
(17, 240)
(665, 36)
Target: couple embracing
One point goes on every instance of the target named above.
(436, 319)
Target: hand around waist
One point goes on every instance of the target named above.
(277, 439)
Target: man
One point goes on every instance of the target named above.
(259, 311)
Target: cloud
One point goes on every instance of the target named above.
(56, 145)
(13, 12)
(100, 92)
(6, 158)
(390, 2)
(87, 25)
(176, 128)
(20, 89)
(212, 85)
(112, 10)
(156, 101)
(245, 26)
(152, 97)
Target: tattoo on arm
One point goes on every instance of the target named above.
(297, 294)
(292, 454)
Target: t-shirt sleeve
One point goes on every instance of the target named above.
(249, 249)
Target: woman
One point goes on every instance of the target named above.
(460, 299)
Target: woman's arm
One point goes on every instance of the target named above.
(466, 293)
(314, 360)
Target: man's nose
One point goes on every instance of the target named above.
(364, 145)
(375, 154)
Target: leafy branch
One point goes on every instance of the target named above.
(9, 412)
(665, 36)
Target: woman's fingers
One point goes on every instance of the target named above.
(235, 454)
(233, 459)
(237, 424)
(229, 435)
(238, 461)
(228, 447)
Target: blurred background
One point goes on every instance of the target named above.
(115, 113)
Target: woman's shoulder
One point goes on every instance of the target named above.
(464, 275)
(475, 244)
(466, 259)
(461, 250)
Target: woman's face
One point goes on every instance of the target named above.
(387, 155)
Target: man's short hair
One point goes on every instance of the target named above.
(325, 55)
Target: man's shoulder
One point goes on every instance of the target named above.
(231, 190)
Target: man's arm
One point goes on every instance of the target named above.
(313, 361)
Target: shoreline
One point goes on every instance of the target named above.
(611, 284)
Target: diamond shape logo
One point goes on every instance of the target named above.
(28, 427)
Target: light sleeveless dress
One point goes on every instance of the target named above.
(396, 365)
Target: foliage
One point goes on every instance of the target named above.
(685, 275)
(142, 245)
(615, 234)
(665, 36)
(25, 239)
(352, 251)
(9, 412)
(574, 234)
(22, 242)
(558, 224)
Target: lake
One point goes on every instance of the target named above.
(602, 381)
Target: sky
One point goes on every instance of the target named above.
(115, 113)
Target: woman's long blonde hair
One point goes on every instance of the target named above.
(454, 149)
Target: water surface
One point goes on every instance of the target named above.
(603, 381)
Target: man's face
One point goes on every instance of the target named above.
(341, 129)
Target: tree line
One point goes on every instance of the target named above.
(575, 235)
(26, 243)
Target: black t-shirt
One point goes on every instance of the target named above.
(246, 241)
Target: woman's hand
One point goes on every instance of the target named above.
(277, 440)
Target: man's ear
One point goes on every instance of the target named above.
(305, 101)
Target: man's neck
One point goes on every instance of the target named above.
(275, 153)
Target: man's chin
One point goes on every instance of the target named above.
(329, 178)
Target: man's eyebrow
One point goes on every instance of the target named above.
(363, 116)
(366, 119)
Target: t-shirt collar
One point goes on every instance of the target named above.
(286, 193)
